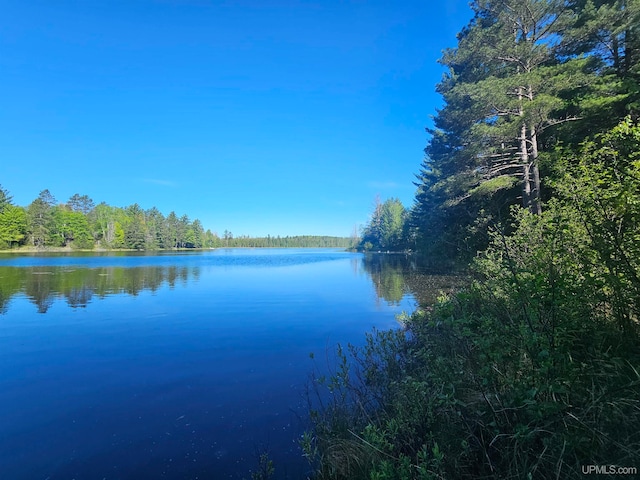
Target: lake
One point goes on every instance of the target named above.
(177, 365)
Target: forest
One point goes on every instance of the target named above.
(530, 187)
(526, 87)
(81, 224)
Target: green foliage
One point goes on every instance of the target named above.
(135, 228)
(297, 241)
(265, 468)
(195, 234)
(602, 182)
(532, 371)
(606, 29)
(81, 224)
(490, 187)
(81, 203)
(13, 225)
(386, 227)
(5, 199)
(70, 228)
(524, 77)
(40, 219)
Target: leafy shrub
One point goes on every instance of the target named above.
(532, 371)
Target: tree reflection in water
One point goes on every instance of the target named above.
(395, 275)
(42, 285)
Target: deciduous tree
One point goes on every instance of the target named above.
(13, 225)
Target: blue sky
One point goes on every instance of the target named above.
(259, 117)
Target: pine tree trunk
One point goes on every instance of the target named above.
(524, 156)
(536, 206)
(526, 166)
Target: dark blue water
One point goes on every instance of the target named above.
(176, 366)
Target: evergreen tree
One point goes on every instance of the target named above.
(40, 218)
(198, 233)
(81, 203)
(154, 221)
(184, 236)
(605, 32)
(506, 88)
(172, 226)
(385, 229)
(135, 232)
(5, 198)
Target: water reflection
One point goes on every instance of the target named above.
(396, 275)
(206, 364)
(387, 273)
(43, 285)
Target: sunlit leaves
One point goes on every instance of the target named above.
(13, 225)
(386, 226)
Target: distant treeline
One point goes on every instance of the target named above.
(80, 223)
(287, 242)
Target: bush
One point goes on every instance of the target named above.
(531, 372)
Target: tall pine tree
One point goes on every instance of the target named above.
(506, 86)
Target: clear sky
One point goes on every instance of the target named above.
(259, 117)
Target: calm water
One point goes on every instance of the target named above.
(181, 366)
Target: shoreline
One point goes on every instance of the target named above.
(95, 250)
(109, 250)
